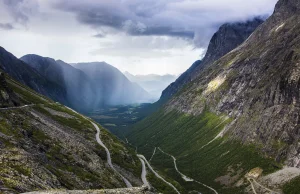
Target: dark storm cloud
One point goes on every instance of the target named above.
(188, 19)
(133, 17)
(195, 20)
(6, 26)
(162, 31)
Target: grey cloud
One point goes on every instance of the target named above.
(132, 17)
(20, 10)
(99, 35)
(164, 31)
(188, 19)
(6, 26)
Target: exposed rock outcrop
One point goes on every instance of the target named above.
(227, 38)
(135, 190)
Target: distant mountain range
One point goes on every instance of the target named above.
(110, 86)
(152, 83)
(84, 87)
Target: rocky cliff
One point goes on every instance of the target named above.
(8, 98)
(227, 38)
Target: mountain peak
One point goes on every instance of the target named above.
(287, 7)
(228, 37)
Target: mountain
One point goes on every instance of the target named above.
(111, 87)
(24, 74)
(227, 38)
(45, 145)
(235, 127)
(153, 84)
(88, 86)
(79, 91)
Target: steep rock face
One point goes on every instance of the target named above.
(24, 74)
(79, 91)
(7, 97)
(257, 85)
(111, 86)
(183, 79)
(227, 38)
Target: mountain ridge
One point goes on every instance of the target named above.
(23, 73)
(238, 116)
(82, 92)
(116, 86)
(227, 38)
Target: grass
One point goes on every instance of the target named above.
(292, 187)
(118, 119)
(185, 137)
(22, 169)
(27, 95)
(5, 128)
(78, 122)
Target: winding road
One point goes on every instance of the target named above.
(156, 174)
(17, 107)
(128, 184)
(153, 154)
(252, 186)
(144, 174)
(266, 188)
(184, 177)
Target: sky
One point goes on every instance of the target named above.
(138, 36)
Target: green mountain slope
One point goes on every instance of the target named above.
(44, 145)
(241, 113)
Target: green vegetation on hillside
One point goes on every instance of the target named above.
(189, 139)
(118, 119)
(47, 141)
(120, 156)
(292, 187)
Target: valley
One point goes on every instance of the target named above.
(229, 124)
(118, 119)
